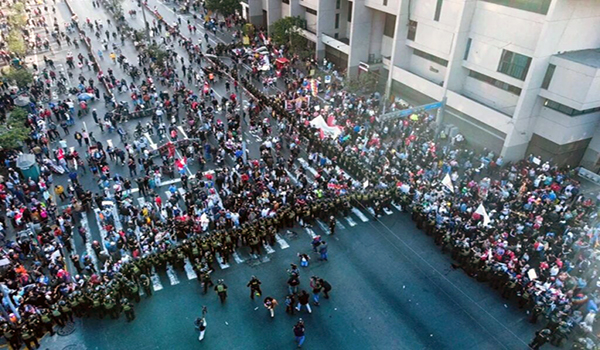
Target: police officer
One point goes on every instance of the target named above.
(127, 307)
(254, 285)
(145, 282)
(221, 289)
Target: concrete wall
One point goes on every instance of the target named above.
(490, 96)
(391, 8)
(427, 69)
(562, 129)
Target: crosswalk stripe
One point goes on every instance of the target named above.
(172, 275)
(103, 232)
(306, 166)
(339, 224)
(189, 270)
(88, 239)
(323, 227)
(360, 215)
(310, 232)
(237, 258)
(282, 243)
(268, 248)
(371, 211)
(156, 285)
(351, 222)
(180, 128)
(292, 177)
(142, 201)
(150, 142)
(220, 261)
(387, 211)
(398, 207)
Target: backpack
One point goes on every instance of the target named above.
(220, 288)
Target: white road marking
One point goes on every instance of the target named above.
(398, 207)
(339, 224)
(323, 227)
(371, 211)
(103, 232)
(292, 177)
(180, 128)
(360, 215)
(150, 142)
(172, 275)
(310, 232)
(268, 248)
(306, 166)
(351, 222)
(387, 211)
(237, 258)
(88, 239)
(156, 285)
(189, 270)
(142, 201)
(220, 261)
(282, 243)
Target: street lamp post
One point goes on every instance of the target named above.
(146, 24)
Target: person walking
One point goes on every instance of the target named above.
(254, 285)
(221, 289)
(127, 307)
(293, 283)
(289, 304)
(270, 304)
(326, 288)
(332, 224)
(200, 325)
(303, 300)
(541, 337)
(316, 289)
(323, 251)
(299, 332)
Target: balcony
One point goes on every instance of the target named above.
(341, 44)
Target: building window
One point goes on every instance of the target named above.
(514, 64)
(390, 25)
(412, 30)
(537, 6)
(468, 49)
(385, 2)
(438, 10)
(568, 110)
(337, 20)
(336, 35)
(311, 11)
(548, 76)
(350, 11)
(338, 3)
(286, 1)
(430, 57)
(495, 82)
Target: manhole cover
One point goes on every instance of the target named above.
(67, 329)
(75, 347)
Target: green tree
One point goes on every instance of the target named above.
(286, 31)
(17, 19)
(14, 131)
(363, 84)
(15, 43)
(224, 7)
(20, 76)
(157, 54)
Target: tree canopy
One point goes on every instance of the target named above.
(224, 7)
(286, 31)
(20, 76)
(14, 131)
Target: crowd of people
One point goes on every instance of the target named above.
(533, 239)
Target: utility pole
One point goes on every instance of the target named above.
(146, 24)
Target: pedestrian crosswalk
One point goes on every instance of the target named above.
(242, 256)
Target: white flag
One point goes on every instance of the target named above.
(446, 181)
(481, 211)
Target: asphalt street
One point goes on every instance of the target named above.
(392, 288)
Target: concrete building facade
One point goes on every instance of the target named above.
(519, 76)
